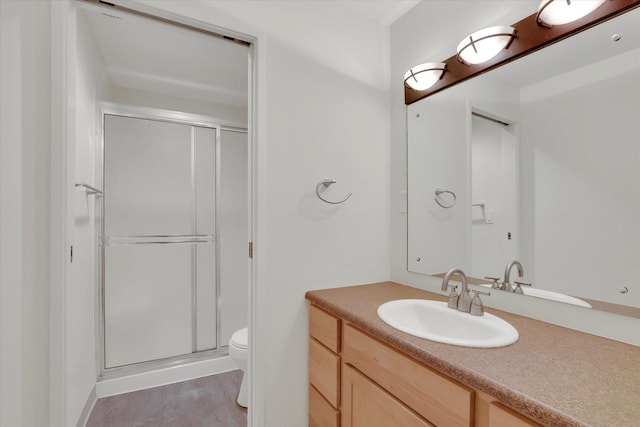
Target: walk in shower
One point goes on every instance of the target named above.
(173, 238)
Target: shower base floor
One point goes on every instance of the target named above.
(206, 401)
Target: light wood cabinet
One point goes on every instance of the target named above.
(365, 404)
(500, 416)
(356, 380)
(325, 328)
(321, 412)
(324, 368)
(435, 397)
(324, 371)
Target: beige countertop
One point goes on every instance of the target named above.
(554, 375)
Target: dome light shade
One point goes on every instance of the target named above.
(558, 12)
(423, 76)
(483, 45)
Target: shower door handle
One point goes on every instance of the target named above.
(158, 239)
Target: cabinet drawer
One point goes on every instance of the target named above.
(324, 371)
(321, 413)
(432, 395)
(365, 404)
(325, 328)
(501, 416)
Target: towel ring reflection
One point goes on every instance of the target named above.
(440, 191)
(327, 183)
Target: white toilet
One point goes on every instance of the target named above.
(239, 351)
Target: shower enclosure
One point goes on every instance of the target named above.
(160, 237)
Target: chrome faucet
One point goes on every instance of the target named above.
(506, 286)
(464, 299)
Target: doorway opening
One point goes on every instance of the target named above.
(160, 113)
(494, 195)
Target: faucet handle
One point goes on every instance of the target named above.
(453, 297)
(477, 309)
(518, 289)
(495, 284)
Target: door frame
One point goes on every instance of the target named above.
(63, 62)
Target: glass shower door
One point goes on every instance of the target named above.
(159, 260)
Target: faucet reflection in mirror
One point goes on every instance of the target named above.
(507, 274)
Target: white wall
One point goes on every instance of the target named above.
(24, 218)
(437, 159)
(582, 174)
(430, 33)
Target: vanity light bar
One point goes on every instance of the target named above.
(560, 12)
(485, 44)
(531, 37)
(423, 76)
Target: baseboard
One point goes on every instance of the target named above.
(174, 374)
(88, 407)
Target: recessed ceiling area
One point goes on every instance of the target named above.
(161, 58)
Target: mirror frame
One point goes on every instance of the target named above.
(530, 37)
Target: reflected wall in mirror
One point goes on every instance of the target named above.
(556, 185)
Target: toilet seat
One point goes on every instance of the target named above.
(240, 338)
(239, 352)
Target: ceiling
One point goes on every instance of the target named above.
(384, 11)
(151, 56)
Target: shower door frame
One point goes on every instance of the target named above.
(174, 117)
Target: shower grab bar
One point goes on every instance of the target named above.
(440, 191)
(89, 189)
(158, 239)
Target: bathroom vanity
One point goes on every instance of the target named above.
(363, 372)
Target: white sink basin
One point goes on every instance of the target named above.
(435, 321)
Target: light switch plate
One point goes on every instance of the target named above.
(488, 216)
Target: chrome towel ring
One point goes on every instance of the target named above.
(327, 183)
(440, 191)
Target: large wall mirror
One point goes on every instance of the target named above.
(536, 161)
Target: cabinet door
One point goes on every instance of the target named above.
(324, 372)
(321, 413)
(365, 404)
(430, 394)
(500, 416)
